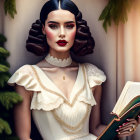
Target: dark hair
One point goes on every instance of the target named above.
(53, 5)
(83, 44)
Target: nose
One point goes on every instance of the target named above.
(62, 32)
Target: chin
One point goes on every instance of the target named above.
(63, 48)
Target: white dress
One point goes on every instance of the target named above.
(56, 117)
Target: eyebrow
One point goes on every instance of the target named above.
(58, 22)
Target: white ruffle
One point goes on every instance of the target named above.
(46, 101)
(23, 77)
(95, 75)
(91, 101)
(87, 97)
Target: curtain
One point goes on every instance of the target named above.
(128, 52)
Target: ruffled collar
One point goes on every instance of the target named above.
(58, 62)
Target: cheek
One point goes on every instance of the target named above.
(72, 35)
(50, 35)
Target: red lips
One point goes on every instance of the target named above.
(61, 42)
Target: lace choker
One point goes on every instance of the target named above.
(58, 62)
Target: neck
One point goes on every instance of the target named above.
(60, 55)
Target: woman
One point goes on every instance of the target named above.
(64, 96)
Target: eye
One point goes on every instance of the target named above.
(69, 26)
(53, 26)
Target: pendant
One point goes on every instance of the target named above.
(63, 77)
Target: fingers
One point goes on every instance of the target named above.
(125, 134)
(128, 128)
(129, 123)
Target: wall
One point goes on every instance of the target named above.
(1, 16)
(105, 46)
(16, 30)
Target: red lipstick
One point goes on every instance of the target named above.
(61, 42)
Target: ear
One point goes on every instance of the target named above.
(43, 29)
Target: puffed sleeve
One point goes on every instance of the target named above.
(24, 77)
(95, 75)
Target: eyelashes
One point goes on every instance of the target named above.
(56, 26)
(70, 26)
(53, 26)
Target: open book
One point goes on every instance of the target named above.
(127, 106)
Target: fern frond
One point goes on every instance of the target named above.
(8, 99)
(2, 38)
(10, 7)
(10, 138)
(4, 126)
(4, 77)
(4, 52)
(116, 11)
(4, 68)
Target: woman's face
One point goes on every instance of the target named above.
(60, 30)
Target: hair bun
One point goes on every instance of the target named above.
(36, 42)
(84, 42)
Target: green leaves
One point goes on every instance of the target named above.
(2, 38)
(4, 68)
(4, 126)
(4, 52)
(8, 99)
(4, 77)
(10, 7)
(116, 11)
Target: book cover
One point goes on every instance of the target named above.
(127, 106)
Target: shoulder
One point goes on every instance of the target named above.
(25, 69)
(24, 76)
(93, 70)
(95, 75)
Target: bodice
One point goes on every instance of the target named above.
(56, 117)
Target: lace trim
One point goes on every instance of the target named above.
(95, 75)
(56, 93)
(58, 62)
(35, 104)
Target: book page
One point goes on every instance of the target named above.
(131, 90)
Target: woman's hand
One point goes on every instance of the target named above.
(128, 128)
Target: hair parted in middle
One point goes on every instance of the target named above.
(84, 42)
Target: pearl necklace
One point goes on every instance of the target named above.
(58, 62)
